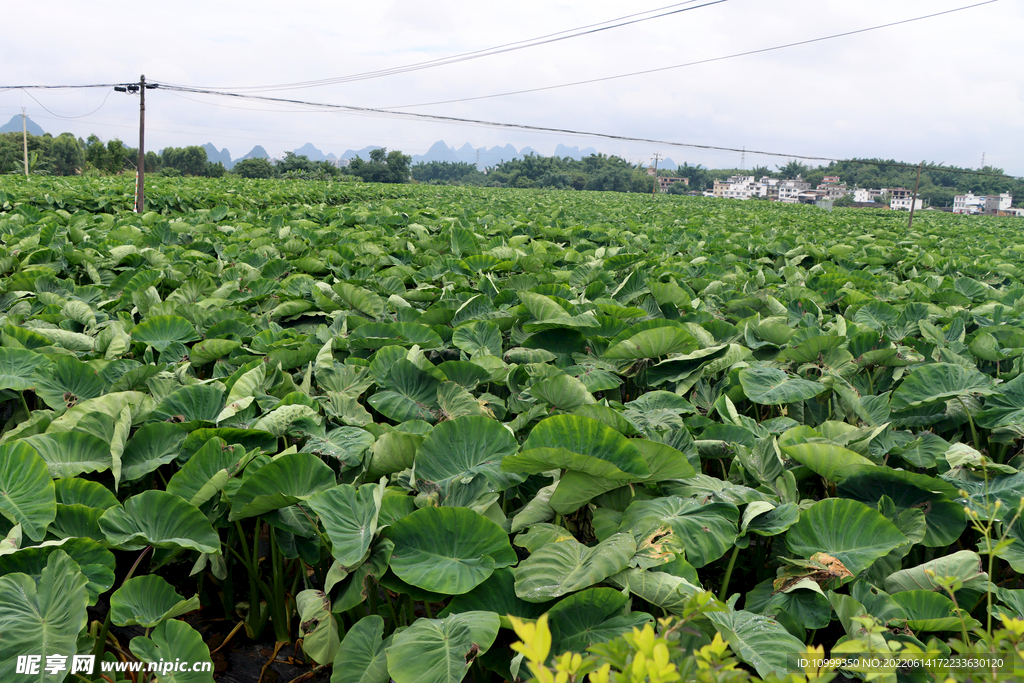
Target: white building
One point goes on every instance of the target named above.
(739, 187)
(865, 195)
(789, 190)
(970, 203)
(903, 204)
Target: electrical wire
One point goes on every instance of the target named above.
(688, 64)
(477, 54)
(60, 87)
(80, 116)
(567, 131)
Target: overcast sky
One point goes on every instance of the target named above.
(946, 89)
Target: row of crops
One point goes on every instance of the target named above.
(396, 422)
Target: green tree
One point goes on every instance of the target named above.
(294, 162)
(66, 155)
(189, 160)
(383, 167)
(254, 168)
(792, 169)
(442, 171)
(214, 170)
(153, 162)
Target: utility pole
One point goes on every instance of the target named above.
(743, 159)
(913, 202)
(654, 188)
(140, 202)
(24, 139)
(140, 183)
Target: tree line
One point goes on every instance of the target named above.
(67, 155)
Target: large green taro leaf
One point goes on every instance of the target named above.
(804, 601)
(770, 386)
(195, 405)
(285, 481)
(562, 392)
(392, 452)
(153, 445)
(845, 529)
(480, 338)
(704, 532)
(930, 611)
(448, 550)
(362, 300)
(347, 445)
(964, 566)
(68, 454)
(159, 519)
(827, 460)
(576, 489)
(1006, 407)
(758, 641)
(160, 331)
(207, 471)
(945, 519)
(595, 615)
(17, 367)
(411, 394)
(556, 569)
(651, 339)
(939, 382)
(92, 559)
(361, 656)
(67, 382)
(464, 448)
(146, 601)
(578, 443)
(27, 495)
(349, 516)
(174, 641)
(317, 628)
(295, 419)
(41, 618)
(667, 591)
(441, 650)
(497, 594)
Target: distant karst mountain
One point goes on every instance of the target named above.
(257, 153)
(483, 157)
(363, 153)
(440, 151)
(223, 156)
(14, 126)
(573, 152)
(308, 150)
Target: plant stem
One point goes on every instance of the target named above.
(278, 601)
(391, 609)
(722, 594)
(372, 596)
(974, 432)
(101, 642)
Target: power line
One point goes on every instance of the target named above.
(546, 129)
(696, 63)
(486, 52)
(60, 87)
(80, 116)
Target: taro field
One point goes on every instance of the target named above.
(297, 431)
